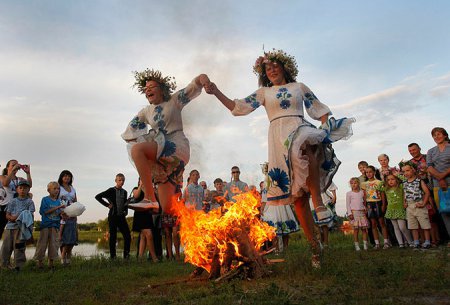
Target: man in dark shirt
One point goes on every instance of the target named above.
(115, 199)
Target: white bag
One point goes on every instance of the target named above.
(75, 209)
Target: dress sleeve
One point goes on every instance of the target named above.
(184, 96)
(314, 107)
(248, 104)
(137, 127)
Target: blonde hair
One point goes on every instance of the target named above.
(50, 184)
(355, 179)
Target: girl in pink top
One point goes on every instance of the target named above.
(356, 211)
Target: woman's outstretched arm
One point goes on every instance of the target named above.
(211, 88)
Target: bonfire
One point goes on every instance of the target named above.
(226, 242)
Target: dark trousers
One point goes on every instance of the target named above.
(119, 222)
(157, 236)
(3, 221)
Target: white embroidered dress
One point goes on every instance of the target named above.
(166, 130)
(289, 132)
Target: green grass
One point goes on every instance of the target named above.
(391, 276)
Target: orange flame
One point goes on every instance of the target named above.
(203, 233)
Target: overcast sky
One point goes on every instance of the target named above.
(66, 76)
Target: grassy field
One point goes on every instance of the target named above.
(392, 276)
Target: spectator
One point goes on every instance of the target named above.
(68, 231)
(9, 182)
(20, 219)
(50, 211)
(194, 193)
(115, 199)
(144, 225)
(420, 160)
(416, 197)
(372, 194)
(438, 159)
(356, 211)
(235, 186)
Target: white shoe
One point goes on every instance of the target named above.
(144, 205)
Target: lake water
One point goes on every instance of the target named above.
(89, 249)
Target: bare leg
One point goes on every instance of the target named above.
(304, 215)
(142, 243)
(325, 235)
(166, 192)
(150, 244)
(285, 241)
(168, 235)
(144, 154)
(313, 180)
(355, 235)
(176, 242)
(373, 222)
(383, 227)
(364, 234)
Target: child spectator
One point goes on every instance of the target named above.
(393, 205)
(217, 196)
(194, 193)
(362, 166)
(416, 196)
(116, 198)
(48, 234)
(444, 205)
(20, 219)
(371, 190)
(356, 211)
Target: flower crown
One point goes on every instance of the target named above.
(408, 162)
(288, 61)
(167, 83)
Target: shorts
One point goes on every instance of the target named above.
(417, 216)
(169, 169)
(374, 210)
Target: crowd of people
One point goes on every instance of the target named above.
(299, 172)
(409, 204)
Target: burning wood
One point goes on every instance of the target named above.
(226, 242)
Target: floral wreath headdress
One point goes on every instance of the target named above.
(288, 61)
(408, 162)
(168, 84)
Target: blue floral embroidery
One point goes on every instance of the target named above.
(136, 124)
(169, 149)
(252, 101)
(183, 98)
(158, 109)
(285, 104)
(292, 225)
(280, 178)
(309, 99)
(283, 95)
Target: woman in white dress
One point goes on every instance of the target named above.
(301, 159)
(161, 154)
